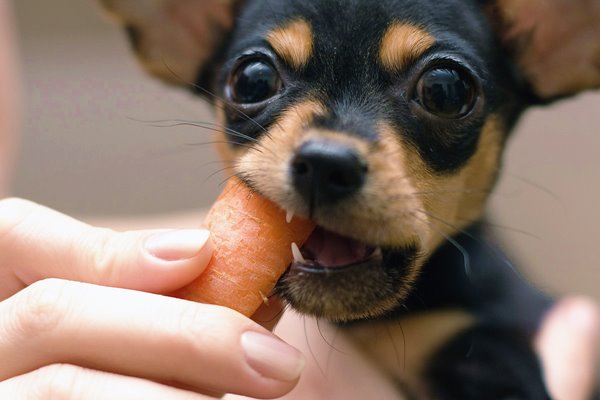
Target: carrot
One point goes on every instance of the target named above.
(252, 248)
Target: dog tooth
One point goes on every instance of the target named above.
(288, 216)
(297, 253)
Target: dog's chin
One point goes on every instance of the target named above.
(343, 279)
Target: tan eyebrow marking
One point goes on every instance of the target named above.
(293, 42)
(402, 44)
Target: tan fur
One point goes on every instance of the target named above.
(451, 202)
(293, 43)
(439, 205)
(370, 215)
(175, 37)
(383, 213)
(402, 44)
(267, 164)
(557, 42)
(402, 203)
(403, 347)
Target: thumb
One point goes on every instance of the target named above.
(37, 243)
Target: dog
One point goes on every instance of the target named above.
(385, 122)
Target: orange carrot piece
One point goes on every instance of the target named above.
(252, 243)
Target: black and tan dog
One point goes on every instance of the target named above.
(384, 122)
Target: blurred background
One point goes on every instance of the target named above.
(89, 148)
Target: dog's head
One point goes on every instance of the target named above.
(383, 121)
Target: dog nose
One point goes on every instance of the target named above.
(324, 172)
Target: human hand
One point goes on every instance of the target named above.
(105, 338)
(568, 345)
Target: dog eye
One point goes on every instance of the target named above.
(446, 92)
(254, 82)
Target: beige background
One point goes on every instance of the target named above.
(86, 152)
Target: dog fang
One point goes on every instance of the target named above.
(289, 216)
(297, 254)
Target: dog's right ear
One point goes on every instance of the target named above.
(175, 40)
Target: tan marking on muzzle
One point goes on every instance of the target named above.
(394, 190)
(452, 202)
(266, 163)
(293, 43)
(402, 44)
(382, 213)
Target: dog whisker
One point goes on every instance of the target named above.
(218, 128)
(332, 343)
(537, 186)
(436, 195)
(400, 360)
(310, 348)
(207, 92)
(494, 251)
(483, 193)
(503, 227)
(214, 127)
(217, 172)
(215, 142)
(449, 239)
(409, 107)
(224, 181)
(209, 126)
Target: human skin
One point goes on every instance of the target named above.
(80, 317)
(9, 101)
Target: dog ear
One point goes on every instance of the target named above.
(556, 43)
(175, 39)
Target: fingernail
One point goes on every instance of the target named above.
(177, 245)
(271, 357)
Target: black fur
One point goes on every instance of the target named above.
(493, 360)
(473, 274)
(487, 362)
(344, 73)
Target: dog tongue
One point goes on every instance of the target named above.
(330, 250)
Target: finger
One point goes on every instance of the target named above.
(38, 243)
(568, 346)
(143, 335)
(63, 381)
(9, 98)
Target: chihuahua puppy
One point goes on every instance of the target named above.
(385, 122)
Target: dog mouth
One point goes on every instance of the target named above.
(329, 252)
(341, 278)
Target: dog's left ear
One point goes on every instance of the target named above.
(175, 39)
(556, 43)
